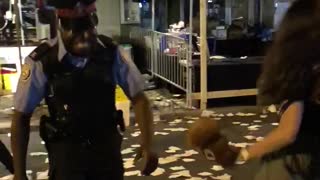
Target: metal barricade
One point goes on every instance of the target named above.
(168, 58)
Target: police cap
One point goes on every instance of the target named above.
(73, 8)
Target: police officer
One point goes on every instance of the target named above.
(76, 73)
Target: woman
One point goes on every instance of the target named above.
(291, 77)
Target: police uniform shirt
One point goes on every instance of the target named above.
(32, 82)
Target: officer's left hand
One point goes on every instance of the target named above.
(149, 161)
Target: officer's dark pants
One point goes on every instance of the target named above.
(73, 160)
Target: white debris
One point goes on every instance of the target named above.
(244, 124)
(250, 114)
(43, 143)
(177, 168)
(132, 173)
(275, 124)
(127, 151)
(161, 133)
(221, 115)
(223, 177)
(42, 175)
(190, 122)
(263, 116)
(217, 119)
(176, 129)
(272, 108)
(207, 113)
(167, 160)
(195, 178)
(205, 174)
(174, 148)
(250, 137)
(179, 174)
(135, 145)
(240, 145)
(240, 114)
(46, 161)
(257, 121)
(217, 168)
(230, 114)
(236, 123)
(260, 139)
(254, 127)
(9, 134)
(125, 138)
(240, 162)
(128, 164)
(158, 172)
(38, 154)
(135, 134)
(188, 160)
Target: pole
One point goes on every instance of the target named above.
(153, 15)
(203, 53)
(189, 61)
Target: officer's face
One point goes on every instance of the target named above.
(79, 35)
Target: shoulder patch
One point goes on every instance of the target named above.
(40, 51)
(25, 72)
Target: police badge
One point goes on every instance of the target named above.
(25, 72)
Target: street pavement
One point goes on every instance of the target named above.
(242, 125)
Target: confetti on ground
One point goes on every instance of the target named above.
(128, 164)
(223, 177)
(177, 168)
(135, 145)
(217, 119)
(46, 161)
(42, 142)
(250, 114)
(161, 133)
(240, 145)
(9, 134)
(230, 114)
(188, 160)
(173, 149)
(127, 151)
(179, 174)
(125, 138)
(42, 175)
(207, 113)
(132, 173)
(205, 174)
(190, 122)
(240, 114)
(254, 127)
(260, 139)
(38, 154)
(250, 137)
(221, 115)
(272, 108)
(275, 124)
(263, 116)
(195, 178)
(158, 172)
(240, 162)
(167, 160)
(176, 129)
(244, 124)
(257, 121)
(217, 168)
(236, 122)
(135, 134)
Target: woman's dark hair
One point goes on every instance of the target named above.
(290, 68)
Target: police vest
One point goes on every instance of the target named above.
(82, 99)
